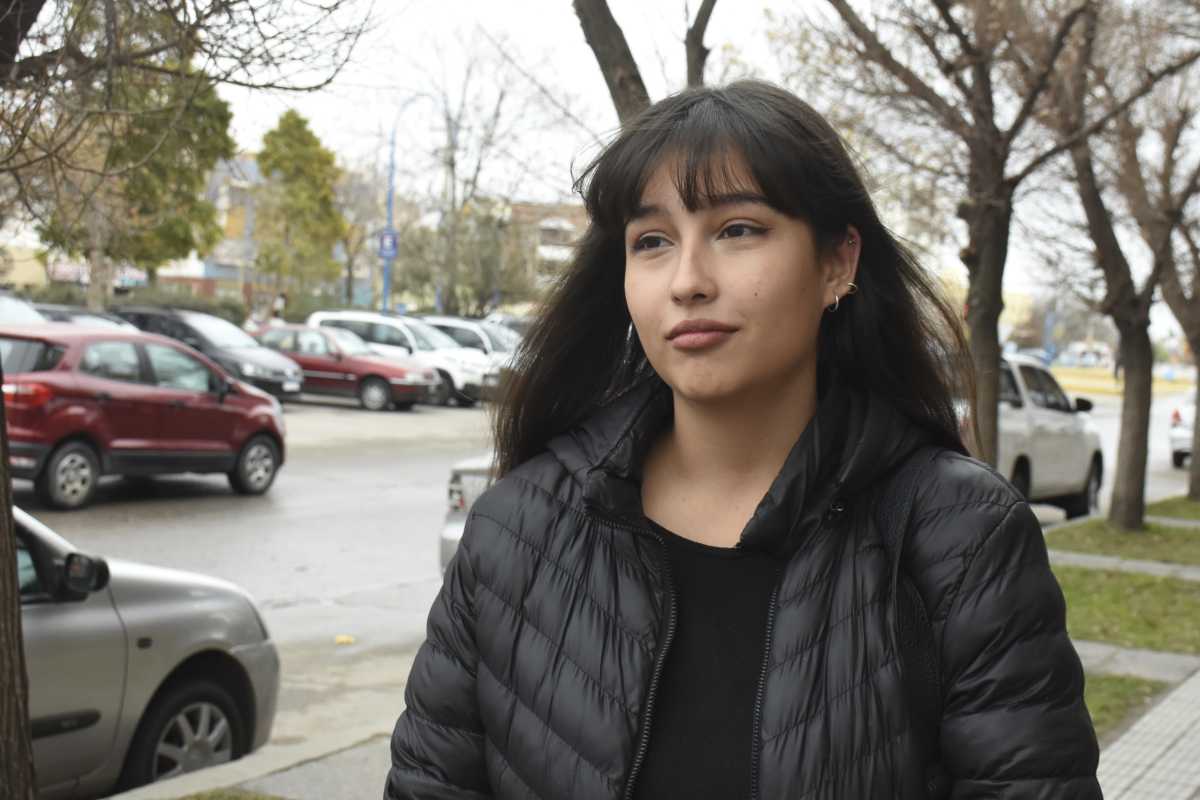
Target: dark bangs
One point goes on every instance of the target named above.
(713, 141)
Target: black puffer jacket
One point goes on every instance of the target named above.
(536, 677)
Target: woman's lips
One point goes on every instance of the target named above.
(700, 340)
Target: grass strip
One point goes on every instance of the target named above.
(1156, 543)
(1132, 610)
(1116, 700)
(1179, 507)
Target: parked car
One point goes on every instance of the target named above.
(496, 341)
(79, 315)
(86, 402)
(136, 673)
(15, 311)
(337, 362)
(468, 479)
(1048, 446)
(225, 343)
(1182, 419)
(461, 369)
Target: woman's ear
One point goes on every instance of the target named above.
(841, 266)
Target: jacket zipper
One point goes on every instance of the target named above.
(756, 756)
(648, 710)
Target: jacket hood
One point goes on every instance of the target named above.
(853, 439)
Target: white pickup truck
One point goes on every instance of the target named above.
(1048, 446)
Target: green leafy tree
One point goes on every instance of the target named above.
(139, 197)
(298, 221)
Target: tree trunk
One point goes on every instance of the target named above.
(1194, 461)
(988, 225)
(16, 751)
(349, 281)
(1129, 480)
(697, 53)
(608, 44)
(98, 264)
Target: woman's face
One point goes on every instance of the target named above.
(727, 300)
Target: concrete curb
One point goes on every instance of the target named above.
(1159, 569)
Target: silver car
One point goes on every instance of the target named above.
(136, 673)
(468, 479)
(1182, 418)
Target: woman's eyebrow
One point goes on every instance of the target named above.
(711, 201)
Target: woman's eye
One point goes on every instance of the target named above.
(739, 230)
(649, 242)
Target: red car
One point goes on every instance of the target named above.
(336, 361)
(86, 402)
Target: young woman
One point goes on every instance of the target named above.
(737, 548)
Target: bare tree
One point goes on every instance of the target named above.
(1181, 290)
(947, 69)
(1148, 172)
(360, 201)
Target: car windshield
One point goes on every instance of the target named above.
(219, 332)
(18, 312)
(503, 340)
(349, 342)
(429, 337)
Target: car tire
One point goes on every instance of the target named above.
(374, 394)
(1020, 479)
(1178, 458)
(161, 744)
(443, 393)
(69, 478)
(403, 406)
(1087, 501)
(463, 401)
(257, 466)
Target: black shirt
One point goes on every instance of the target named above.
(702, 725)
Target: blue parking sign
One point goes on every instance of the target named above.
(387, 244)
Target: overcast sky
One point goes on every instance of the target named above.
(417, 44)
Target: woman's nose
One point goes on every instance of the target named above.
(693, 281)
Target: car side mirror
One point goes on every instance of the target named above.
(336, 355)
(82, 575)
(1083, 404)
(222, 388)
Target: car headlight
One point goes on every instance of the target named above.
(249, 370)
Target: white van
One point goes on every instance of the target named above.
(462, 369)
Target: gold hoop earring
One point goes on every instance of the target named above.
(836, 302)
(851, 288)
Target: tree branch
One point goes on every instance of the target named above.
(620, 71)
(697, 53)
(1042, 81)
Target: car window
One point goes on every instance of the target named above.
(503, 339)
(27, 577)
(363, 329)
(1008, 388)
(177, 370)
(280, 339)
(349, 342)
(114, 361)
(463, 336)
(165, 326)
(1033, 385)
(1056, 398)
(390, 334)
(311, 343)
(428, 337)
(22, 355)
(219, 332)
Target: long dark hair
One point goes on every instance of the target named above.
(896, 337)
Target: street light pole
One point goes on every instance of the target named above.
(387, 247)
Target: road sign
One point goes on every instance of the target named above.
(387, 244)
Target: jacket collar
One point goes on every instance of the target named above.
(854, 438)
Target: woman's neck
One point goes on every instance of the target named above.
(726, 452)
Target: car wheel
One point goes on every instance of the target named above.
(1020, 479)
(464, 401)
(256, 466)
(374, 394)
(1177, 458)
(190, 726)
(69, 479)
(443, 392)
(1088, 500)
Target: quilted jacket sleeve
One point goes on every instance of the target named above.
(438, 742)
(1014, 722)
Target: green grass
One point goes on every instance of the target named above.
(1116, 699)
(1132, 610)
(1179, 507)
(1157, 543)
